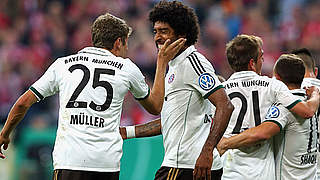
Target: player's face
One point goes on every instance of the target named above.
(259, 61)
(124, 49)
(163, 31)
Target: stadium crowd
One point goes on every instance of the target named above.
(33, 33)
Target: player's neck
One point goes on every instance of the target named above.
(309, 74)
(293, 86)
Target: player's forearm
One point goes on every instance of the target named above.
(307, 109)
(157, 92)
(17, 113)
(244, 139)
(221, 120)
(152, 128)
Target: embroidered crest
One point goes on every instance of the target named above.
(273, 112)
(171, 78)
(206, 81)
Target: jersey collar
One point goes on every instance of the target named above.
(97, 51)
(311, 82)
(242, 74)
(298, 92)
(182, 56)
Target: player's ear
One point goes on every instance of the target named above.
(252, 65)
(117, 44)
(277, 76)
(316, 71)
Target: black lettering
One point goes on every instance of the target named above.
(87, 122)
(81, 120)
(74, 119)
(95, 122)
(120, 66)
(101, 122)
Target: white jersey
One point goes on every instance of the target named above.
(296, 145)
(91, 86)
(186, 116)
(314, 82)
(252, 95)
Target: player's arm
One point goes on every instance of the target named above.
(224, 109)
(152, 128)
(153, 103)
(306, 109)
(249, 137)
(16, 114)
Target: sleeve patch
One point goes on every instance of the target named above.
(273, 112)
(206, 81)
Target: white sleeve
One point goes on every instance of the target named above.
(284, 96)
(138, 86)
(47, 85)
(278, 114)
(201, 76)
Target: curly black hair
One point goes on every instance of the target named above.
(182, 19)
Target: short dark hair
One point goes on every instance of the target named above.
(241, 49)
(106, 29)
(290, 68)
(181, 18)
(306, 57)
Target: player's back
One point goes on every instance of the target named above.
(314, 82)
(251, 95)
(295, 146)
(91, 85)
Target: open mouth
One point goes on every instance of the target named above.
(160, 46)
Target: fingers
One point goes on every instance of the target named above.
(2, 156)
(166, 44)
(208, 174)
(5, 146)
(201, 173)
(195, 172)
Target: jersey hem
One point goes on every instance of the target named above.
(35, 92)
(276, 122)
(293, 104)
(186, 166)
(88, 169)
(139, 99)
(212, 91)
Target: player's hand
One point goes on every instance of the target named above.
(123, 132)
(310, 90)
(4, 142)
(169, 50)
(221, 147)
(202, 170)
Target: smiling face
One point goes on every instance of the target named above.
(162, 32)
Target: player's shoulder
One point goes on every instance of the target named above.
(198, 63)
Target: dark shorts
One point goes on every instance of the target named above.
(65, 174)
(165, 173)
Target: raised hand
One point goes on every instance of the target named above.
(169, 51)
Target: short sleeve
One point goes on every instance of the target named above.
(47, 84)
(138, 86)
(278, 114)
(284, 96)
(201, 75)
